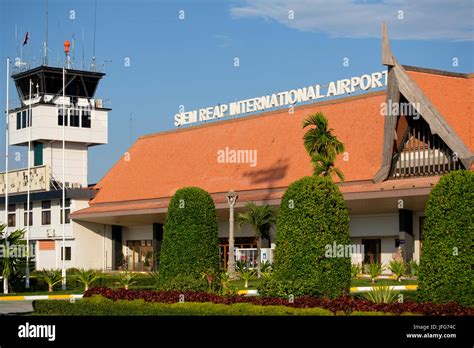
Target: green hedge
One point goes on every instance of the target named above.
(190, 240)
(312, 215)
(100, 306)
(447, 254)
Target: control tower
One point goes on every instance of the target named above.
(72, 114)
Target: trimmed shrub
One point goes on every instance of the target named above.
(190, 241)
(100, 306)
(447, 256)
(313, 220)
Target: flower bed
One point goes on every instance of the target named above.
(344, 304)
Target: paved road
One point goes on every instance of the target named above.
(12, 307)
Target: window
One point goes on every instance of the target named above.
(68, 253)
(30, 213)
(23, 119)
(397, 242)
(86, 119)
(38, 153)
(11, 215)
(74, 118)
(46, 212)
(61, 117)
(67, 212)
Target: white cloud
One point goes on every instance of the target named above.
(422, 19)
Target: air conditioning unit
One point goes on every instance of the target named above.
(50, 232)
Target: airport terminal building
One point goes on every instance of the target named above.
(391, 163)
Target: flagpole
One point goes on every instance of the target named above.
(6, 145)
(27, 271)
(63, 251)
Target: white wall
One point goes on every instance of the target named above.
(374, 225)
(93, 243)
(75, 163)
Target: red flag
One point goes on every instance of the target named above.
(25, 41)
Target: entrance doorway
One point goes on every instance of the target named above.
(140, 255)
(372, 252)
(240, 242)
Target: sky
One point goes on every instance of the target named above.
(158, 55)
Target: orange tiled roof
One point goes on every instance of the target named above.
(159, 164)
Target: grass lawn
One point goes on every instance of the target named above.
(378, 282)
(253, 284)
(101, 306)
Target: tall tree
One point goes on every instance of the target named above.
(322, 146)
(11, 257)
(260, 218)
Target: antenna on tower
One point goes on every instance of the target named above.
(45, 52)
(73, 50)
(67, 45)
(93, 65)
(16, 40)
(82, 43)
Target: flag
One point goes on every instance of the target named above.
(25, 41)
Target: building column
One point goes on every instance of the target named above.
(117, 247)
(157, 240)
(405, 234)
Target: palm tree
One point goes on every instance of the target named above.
(10, 263)
(322, 145)
(260, 218)
(86, 277)
(50, 277)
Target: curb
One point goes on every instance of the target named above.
(353, 289)
(393, 287)
(40, 297)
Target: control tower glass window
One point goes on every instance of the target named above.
(18, 120)
(74, 118)
(61, 117)
(86, 119)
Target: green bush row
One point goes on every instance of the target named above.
(100, 306)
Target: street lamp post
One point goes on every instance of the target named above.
(231, 200)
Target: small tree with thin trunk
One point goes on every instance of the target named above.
(322, 146)
(10, 262)
(260, 218)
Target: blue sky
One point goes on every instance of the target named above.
(190, 61)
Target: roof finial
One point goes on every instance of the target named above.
(387, 58)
